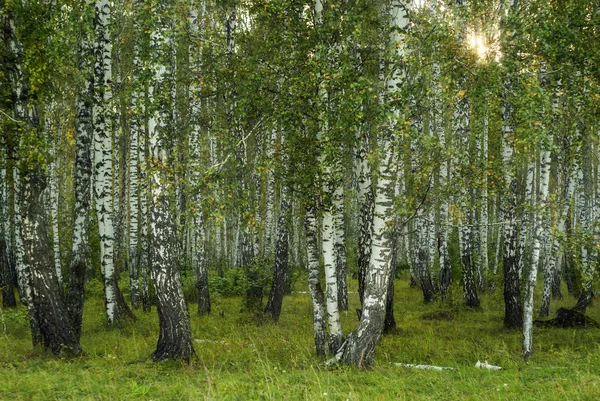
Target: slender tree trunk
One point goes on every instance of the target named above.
(269, 232)
(6, 283)
(584, 206)
(465, 234)
(314, 283)
(365, 204)
(331, 292)
(116, 308)
(340, 248)
(201, 269)
(52, 199)
(552, 264)
(541, 225)
(82, 184)
(484, 221)
(199, 230)
(133, 248)
(512, 285)
(280, 269)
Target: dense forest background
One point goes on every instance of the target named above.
(246, 145)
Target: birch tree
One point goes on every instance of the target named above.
(175, 338)
(541, 227)
(116, 308)
(512, 298)
(49, 322)
(197, 17)
(82, 182)
(359, 347)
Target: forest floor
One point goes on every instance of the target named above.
(241, 358)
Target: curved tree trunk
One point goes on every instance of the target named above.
(175, 338)
(46, 302)
(360, 345)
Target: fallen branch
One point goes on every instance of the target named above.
(485, 365)
(432, 367)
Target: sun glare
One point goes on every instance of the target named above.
(477, 43)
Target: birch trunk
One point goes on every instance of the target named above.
(359, 347)
(445, 276)
(46, 302)
(554, 253)
(420, 265)
(512, 285)
(280, 269)
(483, 213)
(199, 230)
(541, 227)
(270, 199)
(584, 206)
(465, 234)
(340, 249)
(52, 200)
(6, 283)
(136, 151)
(19, 92)
(314, 283)
(365, 205)
(116, 308)
(81, 187)
(328, 228)
(175, 338)
(331, 292)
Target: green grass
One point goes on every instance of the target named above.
(242, 359)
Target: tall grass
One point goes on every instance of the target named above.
(244, 358)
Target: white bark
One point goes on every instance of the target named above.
(360, 345)
(199, 232)
(484, 221)
(103, 172)
(541, 227)
(174, 341)
(270, 198)
(340, 247)
(331, 282)
(365, 208)
(553, 238)
(314, 284)
(53, 201)
(461, 120)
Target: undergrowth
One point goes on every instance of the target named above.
(244, 359)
